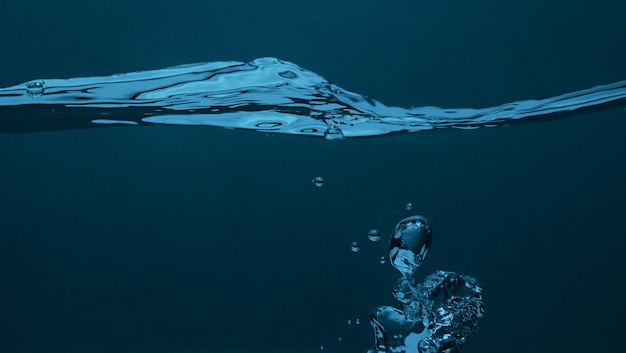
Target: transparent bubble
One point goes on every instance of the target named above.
(35, 89)
(382, 259)
(409, 244)
(374, 234)
(409, 206)
(349, 322)
(355, 246)
(318, 181)
(357, 321)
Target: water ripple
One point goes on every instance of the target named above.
(267, 94)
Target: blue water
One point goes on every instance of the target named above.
(169, 238)
(267, 95)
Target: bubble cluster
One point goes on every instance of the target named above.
(438, 315)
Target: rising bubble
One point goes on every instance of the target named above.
(438, 315)
(374, 234)
(355, 246)
(409, 244)
(318, 181)
(409, 206)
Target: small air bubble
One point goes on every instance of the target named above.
(374, 234)
(35, 89)
(355, 246)
(409, 206)
(318, 181)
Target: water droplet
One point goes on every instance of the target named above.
(409, 206)
(35, 89)
(333, 133)
(318, 181)
(355, 246)
(374, 234)
(357, 321)
(382, 259)
(409, 244)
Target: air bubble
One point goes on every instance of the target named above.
(374, 234)
(382, 260)
(438, 315)
(357, 321)
(409, 206)
(318, 181)
(355, 247)
(35, 89)
(409, 244)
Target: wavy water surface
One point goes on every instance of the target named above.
(267, 94)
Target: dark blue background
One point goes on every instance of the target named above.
(176, 239)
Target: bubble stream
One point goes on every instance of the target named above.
(440, 314)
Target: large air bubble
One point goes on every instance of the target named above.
(409, 244)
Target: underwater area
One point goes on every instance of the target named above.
(133, 221)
